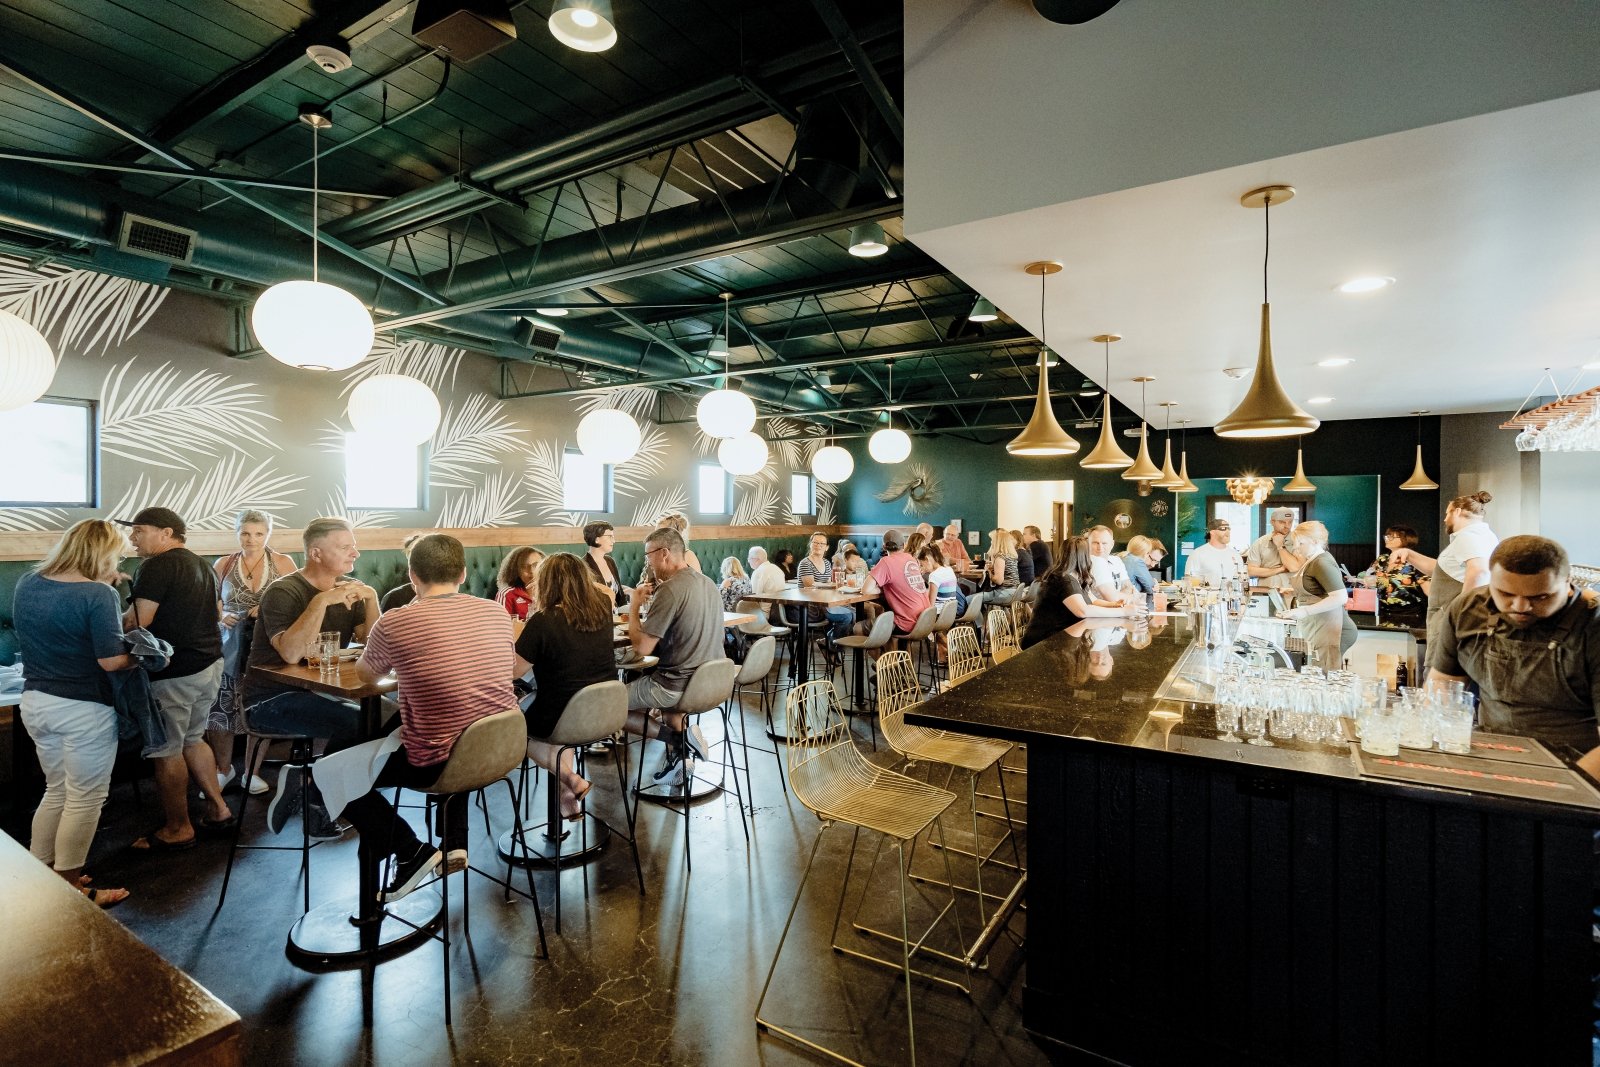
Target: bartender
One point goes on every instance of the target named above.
(1532, 645)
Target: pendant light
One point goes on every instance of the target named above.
(1419, 477)
(832, 463)
(27, 365)
(724, 412)
(983, 310)
(1266, 410)
(1043, 436)
(1299, 483)
(743, 454)
(1142, 470)
(1169, 478)
(609, 435)
(889, 445)
(1187, 486)
(395, 407)
(311, 324)
(1106, 455)
(585, 25)
(867, 240)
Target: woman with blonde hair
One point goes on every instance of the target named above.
(735, 583)
(514, 584)
(677, 520)
(242, 577)
(1001, 581)
(69, 628)
(1321, 599)
(567, 643)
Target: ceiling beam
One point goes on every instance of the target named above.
(861, 63)
(55, 160)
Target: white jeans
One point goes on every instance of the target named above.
(77, 743)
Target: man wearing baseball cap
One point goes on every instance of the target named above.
(1216, 560)
(175, 597)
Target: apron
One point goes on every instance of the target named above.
(1442, 592)
(1323, 633)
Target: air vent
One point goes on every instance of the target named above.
(156, 239)
(545, 339)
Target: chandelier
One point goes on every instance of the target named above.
(1250, 489)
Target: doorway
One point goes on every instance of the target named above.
(1033, 504)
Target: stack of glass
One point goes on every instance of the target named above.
(1442, 713)
(1267, 702)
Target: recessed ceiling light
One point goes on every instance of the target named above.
(1320, 400)
(1336, 361)
(1235, 372)
(551, 313)
(1366, 285)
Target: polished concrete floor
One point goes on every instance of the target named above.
(669, 977)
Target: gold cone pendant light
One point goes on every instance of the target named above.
(1185, 486)
(1419, 476)
(1143, 470)
(1299, 483)
(1169, 478)
(1266, 410)
(1043, 436)
(1106, 454)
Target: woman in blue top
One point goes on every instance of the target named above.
(70, 632)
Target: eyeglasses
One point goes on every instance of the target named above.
(653, 551)
(1224, 526)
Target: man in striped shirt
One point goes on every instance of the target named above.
(453, 654)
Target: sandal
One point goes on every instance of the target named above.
(151, 842)
(577, 799)
(105, 898)
(216, 826)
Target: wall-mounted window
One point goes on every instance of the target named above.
(585, 483)
(802, 494)
(375, 478)
(51, 455)
(713, 490)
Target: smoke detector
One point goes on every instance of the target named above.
(333, 57)
(1235, 372)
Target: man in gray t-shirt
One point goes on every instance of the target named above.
(684, 630)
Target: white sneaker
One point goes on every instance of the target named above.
(224, 779)
(258, 785)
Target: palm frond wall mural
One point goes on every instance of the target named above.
(183, 426)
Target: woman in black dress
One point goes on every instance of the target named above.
(567, 642)
(1063, 598)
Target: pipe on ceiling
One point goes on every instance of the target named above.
(40, 200)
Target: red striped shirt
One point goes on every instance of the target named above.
(454, 658)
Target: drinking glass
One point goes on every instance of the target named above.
(1455, 730)
(1416, 725)
(1380, 734)
(328, 651)
(1257, 713)
(1228, 721)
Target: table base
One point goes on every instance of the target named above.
(327, 937)
(579, 842)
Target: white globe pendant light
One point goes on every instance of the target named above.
(724, 412)
(889, 445)
(311, 324)
(396, 407)
(744, 454)
(586, 25)
(609, 435)
(832, 464)
(26, 363)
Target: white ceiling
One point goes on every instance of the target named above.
(1490, 226)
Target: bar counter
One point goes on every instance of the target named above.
(1197, 901)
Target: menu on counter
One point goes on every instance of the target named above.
(1522, 778)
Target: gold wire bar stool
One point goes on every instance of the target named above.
(966, 658)
(831, 777)
(1002, 636)
(1021, 615)
(898, 692)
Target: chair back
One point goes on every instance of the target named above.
(709, 685)
(761, 625)
(757, 661)
(966, 658)
(487, 751)
(974, 611)
(596, 711)
(825, 767)
(945, 616)
(1021, 614)
(882, 630)
(898, 689)
(923, 626)
(1005, 652)
(1001, 635)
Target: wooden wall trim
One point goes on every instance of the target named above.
(32, 545)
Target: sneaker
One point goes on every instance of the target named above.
(698, 749)
(258, 785)
(456, 861)
(319, 827)
(673, 771)
(224, 779)
(285, 803)
(409, 873)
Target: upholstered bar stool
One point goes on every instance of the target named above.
(300, 758)
(944, 618)
(710, 687)
(755, 679)
(873, 641)
(916, 641)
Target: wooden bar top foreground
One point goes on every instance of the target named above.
(77, 987)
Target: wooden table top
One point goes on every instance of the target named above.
(347, 683)
(814, 596)
(729, 619)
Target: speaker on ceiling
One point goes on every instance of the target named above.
(1073, 12)
(466, 29)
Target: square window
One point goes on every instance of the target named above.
(713, 490)
(585, 483)
(374, 479)
(802, 494)
(58, 439)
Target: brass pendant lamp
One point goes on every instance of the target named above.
(1419, 477)
(1043, 436)
(1185, 486)
(1143, 470)
(1266, 410)
(1299, 483)
(1169, 478)
(1106, 454)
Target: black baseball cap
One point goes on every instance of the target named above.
(1217, 524)
(160, 518)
